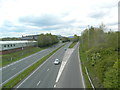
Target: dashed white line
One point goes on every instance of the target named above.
(55, 85)
(18, 73)
(38, 83)
(21, 60)
(13, 69)
(35, 70)
(48, 69)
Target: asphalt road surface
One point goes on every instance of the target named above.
(15, 68)
(46, 74)
(71, 76)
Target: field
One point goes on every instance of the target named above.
(12, 57)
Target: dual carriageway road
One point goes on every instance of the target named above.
(48, 75)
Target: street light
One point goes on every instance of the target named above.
(88, 36)
(88, 41)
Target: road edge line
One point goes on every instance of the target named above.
(89, 79)
(24, 68)
(35, 70)
(19, 72)
(20, 60)
(81, 68)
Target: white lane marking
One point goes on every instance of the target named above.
(18, 73)
(21, 70)
(35, 70)
(25, 58)
(13, 69)
(48, 69)
(21, 60)
(81, 69)
(65, 60)
(55, 85)
(38, 83)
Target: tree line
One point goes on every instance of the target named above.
(47, 40)
(10, 39)
(75, 38)
(101, 52)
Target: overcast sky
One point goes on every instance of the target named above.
(60, 17)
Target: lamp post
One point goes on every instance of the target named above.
(88, 36)
(88, 42)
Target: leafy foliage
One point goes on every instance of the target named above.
(101, 50)
(111, 77)
(10, 39)
(76, 38)
(72, 44)
(65, 39)
(47, 40)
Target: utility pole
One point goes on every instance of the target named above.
(88, 42)
(88, 36)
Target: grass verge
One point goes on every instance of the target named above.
(101, 63)
(15, 56)
(72, 44)
(83, 58)
(25, 73)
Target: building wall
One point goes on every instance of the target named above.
(9, 46)
(6, 48)
(30, 37)
(12, 50)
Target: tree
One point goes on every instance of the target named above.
(76, 38)
(47, 39)
(65, 39)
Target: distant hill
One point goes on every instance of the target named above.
(71, 37)
(59, 35)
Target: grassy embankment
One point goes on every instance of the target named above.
(72, 44)
(25, 73)
(100, 57)
(12, 57)
(83, 62)
(98, 69)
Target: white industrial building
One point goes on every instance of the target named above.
(9, 45)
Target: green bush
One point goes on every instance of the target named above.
(111, 77)
(72, 44)
(99, 54)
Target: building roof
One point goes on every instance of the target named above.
(14, 42)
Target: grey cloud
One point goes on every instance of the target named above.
(112, 24)
(10, 27)
(7, 24)
(98, 15)
(44, 20)
(58, 27)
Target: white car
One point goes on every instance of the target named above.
(57, 61)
